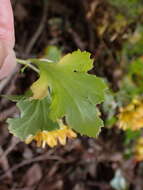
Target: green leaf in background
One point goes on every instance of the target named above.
(133, 47)
(109, 108)
(74, 94)
(53, 53)
(136, 67)
(131, 135)
(34, 118)
(127, 92)
(136, 72)
(130, 8)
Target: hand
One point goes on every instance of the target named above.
(7, 39)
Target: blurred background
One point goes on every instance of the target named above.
(112, 30)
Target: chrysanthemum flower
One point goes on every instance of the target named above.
(131, 116)
(138, 149)
(52, 138)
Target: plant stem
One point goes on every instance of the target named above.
(27, 63)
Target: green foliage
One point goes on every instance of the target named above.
(53, 53)
(129, 138)
(77, 62)
(136, 74)
(134, 45)
(109, 109)
(136, 67)
(73, 94)
(130, 8)
(127, 92)
(34, 118)
(131, 135)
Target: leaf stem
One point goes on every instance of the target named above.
(28, 64)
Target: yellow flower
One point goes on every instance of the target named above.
(138, 149)
(131, 116)
(52, 138)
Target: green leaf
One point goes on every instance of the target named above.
(131, 135)
(136, 67)
(77, 61)
(130, 8)
(34, 118)
(74, 94)
(53, 53)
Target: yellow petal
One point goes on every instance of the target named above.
(51, 141)
(62, 140)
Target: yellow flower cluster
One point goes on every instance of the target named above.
(131, 116)
(138, 150)
(52, 138)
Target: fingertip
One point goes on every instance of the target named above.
(8, 65)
